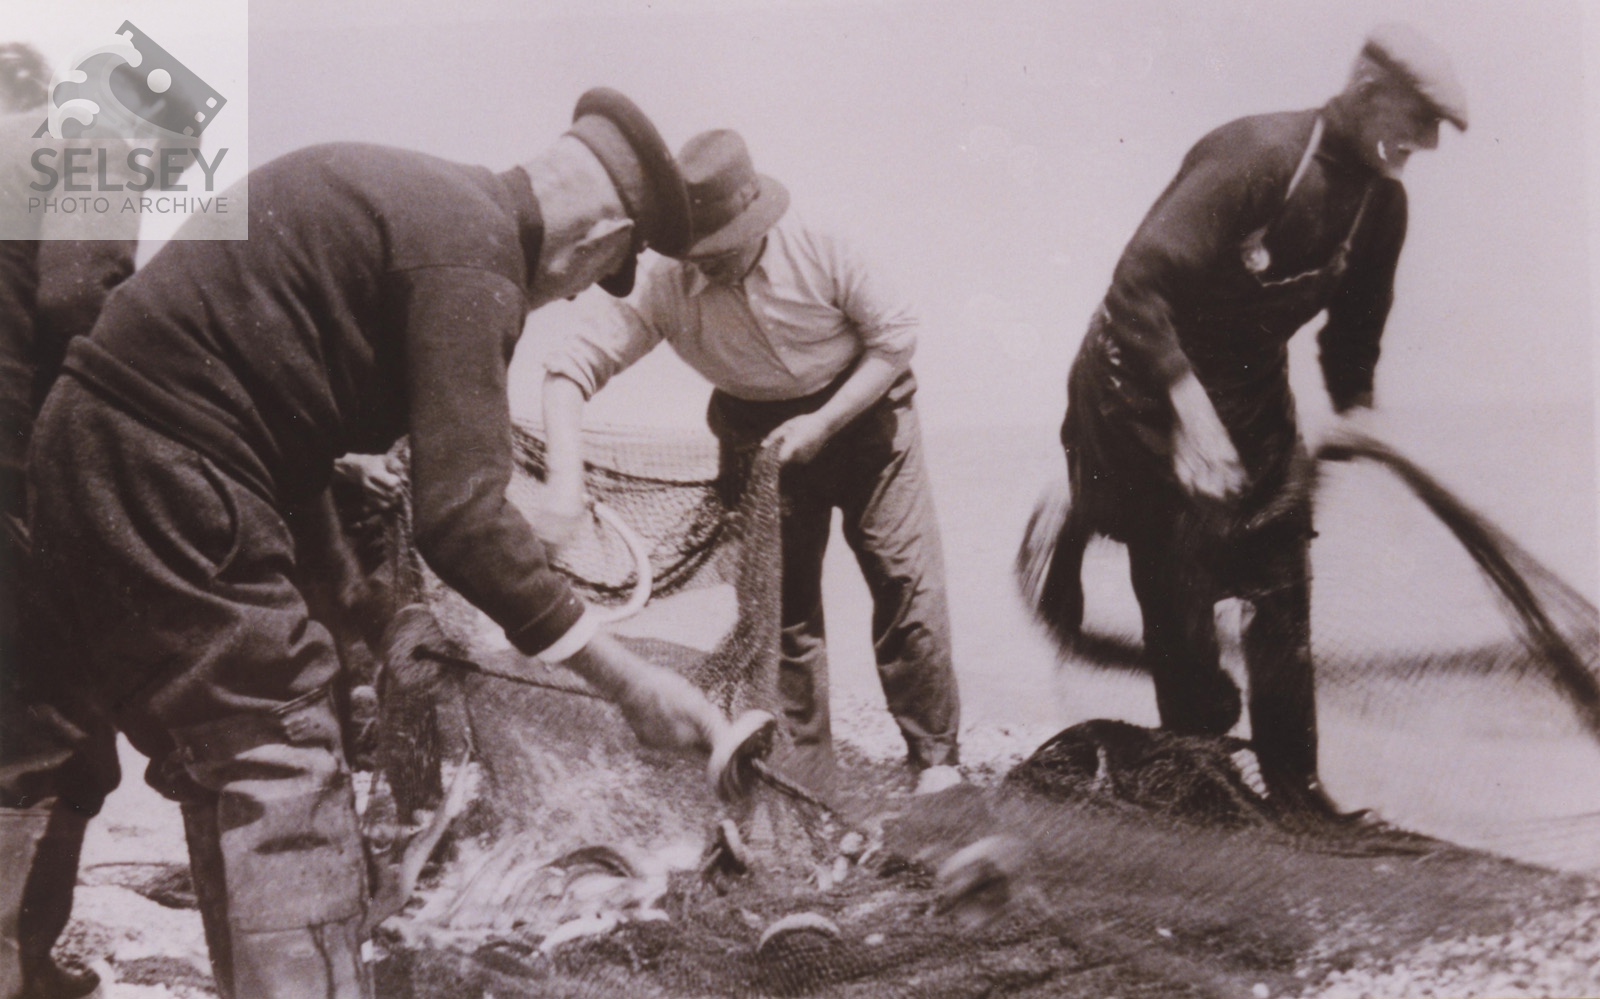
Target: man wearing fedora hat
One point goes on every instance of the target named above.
(1181, 434)
(809, 353)
(380, 294)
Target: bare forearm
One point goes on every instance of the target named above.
(563, 427)
(664, 710)
(605, 665)
(872, 377)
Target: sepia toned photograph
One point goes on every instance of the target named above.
(852, 498)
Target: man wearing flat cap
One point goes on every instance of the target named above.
(807, 351)
(1181, 435)
(380, 293)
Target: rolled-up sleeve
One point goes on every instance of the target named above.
(886, 322)
(611, 336)
(461, 325)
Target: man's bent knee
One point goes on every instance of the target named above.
(281, 857)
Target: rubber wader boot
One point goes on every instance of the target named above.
(276, 855)
(39, 849)
(210, 891)
(21, 829)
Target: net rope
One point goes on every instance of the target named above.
(1130, 862)
(1518, 656)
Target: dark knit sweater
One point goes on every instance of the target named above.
(1183, 298)
(1225, 268)
(380, 293)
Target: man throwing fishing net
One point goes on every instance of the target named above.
(1180, 434)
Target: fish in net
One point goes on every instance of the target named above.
(563, 775)
(1116, 861)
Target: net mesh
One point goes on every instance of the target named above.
(1558, 628)
(1554, 634)
(1116, 860)
(564, 772)
(704, 530)
(1428, 622)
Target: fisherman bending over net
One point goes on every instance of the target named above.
(1180, 433)
(54, 749)
(806, 352)
(380, 294)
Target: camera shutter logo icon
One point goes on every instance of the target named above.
(131, 87)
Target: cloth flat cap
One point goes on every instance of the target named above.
(1411, 55)
(643, 171)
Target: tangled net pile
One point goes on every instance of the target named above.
(1116, 860)
(1520, 654)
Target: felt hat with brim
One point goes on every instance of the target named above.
(1424, 66)
(643, 172)
(729, 203)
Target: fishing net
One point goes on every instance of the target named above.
(573, 824)
(1427, 621)
(710, 535)
(1116, 860)
(545, 741)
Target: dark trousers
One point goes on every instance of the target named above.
(1178, 583)
(873, 472)
(54, 744)
(178, 590)
(1187, 553)
(58, 760)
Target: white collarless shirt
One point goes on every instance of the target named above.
(804, 313)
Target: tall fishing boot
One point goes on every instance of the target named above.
(284, 919)
(39, 850)
(21, 829)
(1283, 708)
(210, 887)
(47, 907)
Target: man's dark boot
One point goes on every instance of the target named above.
(276, 853)
(39, 850)
(51, 981)
(21, 829)
(210, 888)
(1301, 799)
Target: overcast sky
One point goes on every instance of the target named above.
(993, 158)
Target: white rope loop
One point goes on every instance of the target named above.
(645, 578)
